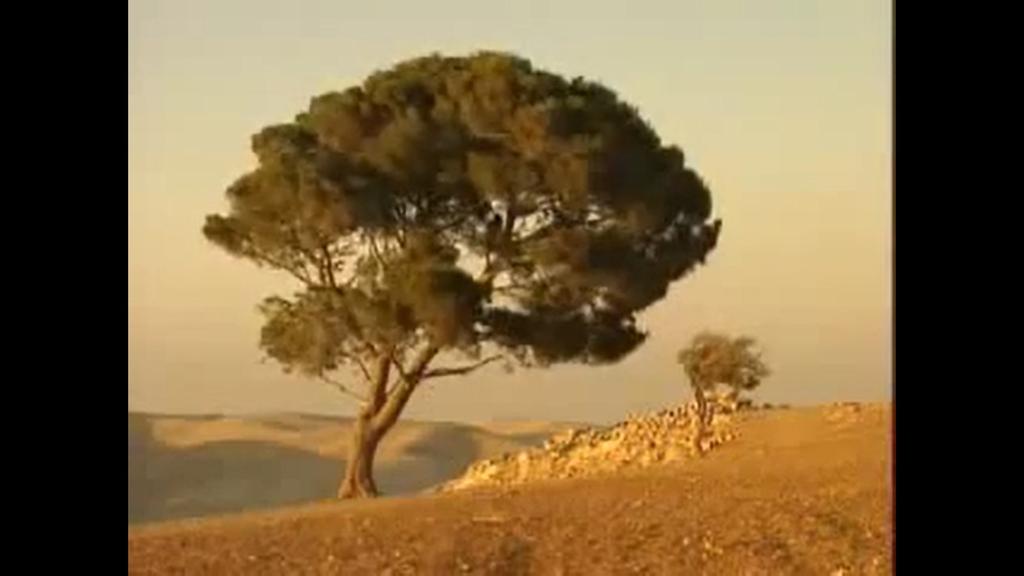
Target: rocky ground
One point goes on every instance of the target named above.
(641, 441)
(800, 491)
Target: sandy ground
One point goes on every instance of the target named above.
(802, 491)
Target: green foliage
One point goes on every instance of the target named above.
(714, 359)
(461, 202)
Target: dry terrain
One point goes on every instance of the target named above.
(799, 491)
(188, 466)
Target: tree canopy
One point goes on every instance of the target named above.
(714, 359)
(458, 201)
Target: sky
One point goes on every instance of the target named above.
(783, 107)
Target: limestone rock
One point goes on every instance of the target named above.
(668, 436)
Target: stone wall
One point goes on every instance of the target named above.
(640, 441)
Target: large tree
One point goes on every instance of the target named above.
(460, 208)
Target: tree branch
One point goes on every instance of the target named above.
(343, 389)
(419, 366)
(362, 368)
(376, 252)
(400, 394)
(460, 370)
(274, 263)
(398, 365)
(328, 266)
(379, 383)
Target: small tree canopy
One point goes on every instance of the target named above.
(715, 359)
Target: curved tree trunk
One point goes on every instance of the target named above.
(378, 415)
(358, 481)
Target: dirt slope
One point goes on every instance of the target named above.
(803, 491)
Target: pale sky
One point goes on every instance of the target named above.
(783, 107)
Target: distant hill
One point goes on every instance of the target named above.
(184, 466)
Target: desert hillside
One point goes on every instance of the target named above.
(185, 466)
(800, 491)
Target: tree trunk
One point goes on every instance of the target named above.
(702, 418)
(376, 418)
(358, 482)
(702, 405)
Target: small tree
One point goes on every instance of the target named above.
(714, 359)
(469, 206)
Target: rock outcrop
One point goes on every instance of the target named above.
(640, 441)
